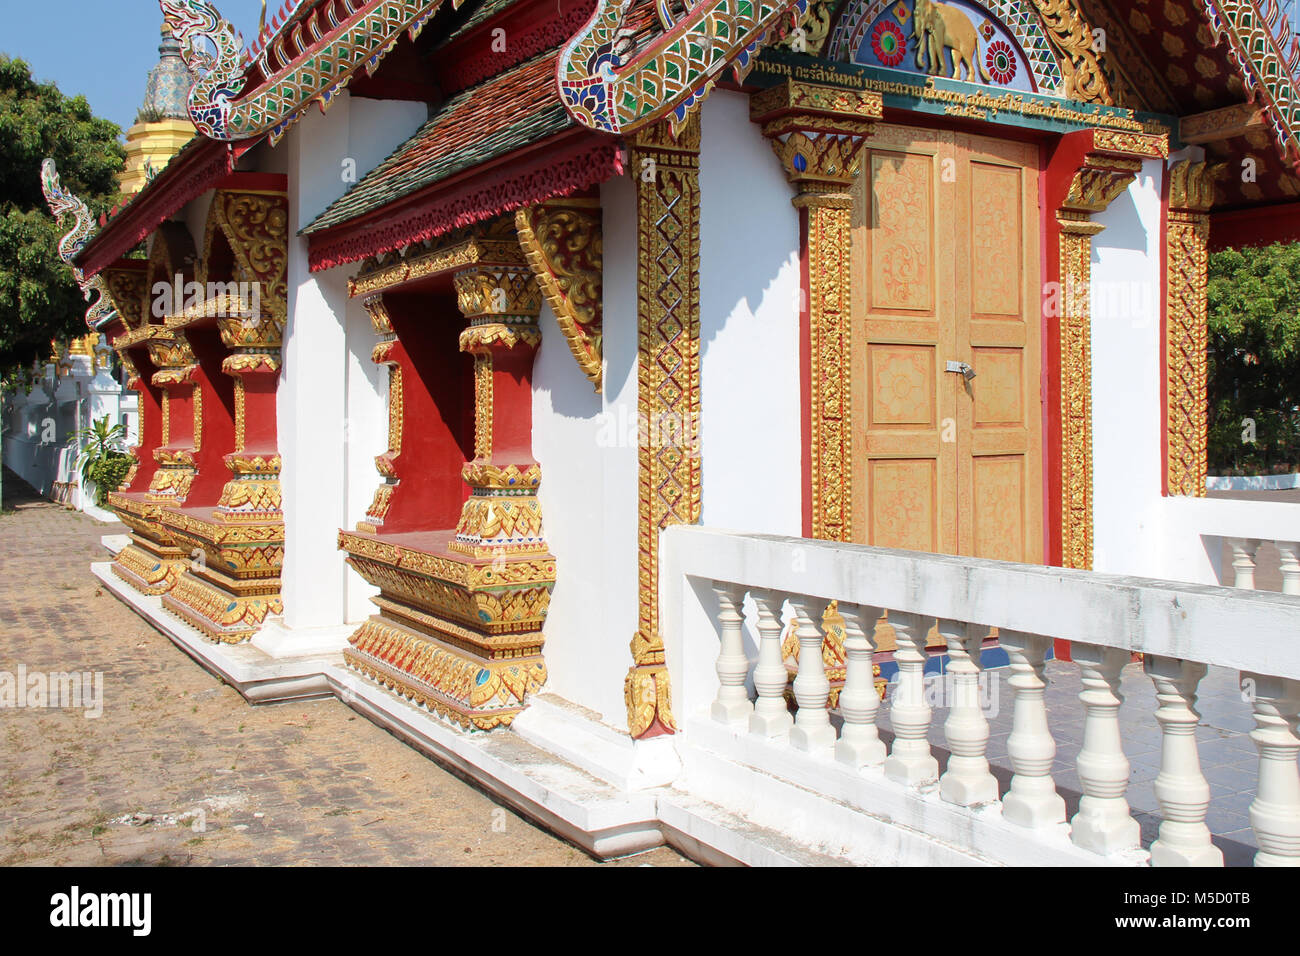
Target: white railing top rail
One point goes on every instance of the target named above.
(1237, 517)
(1250, 631)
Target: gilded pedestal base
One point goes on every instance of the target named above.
(233, 583)
(148, 568)
(152, 562)
(476, 692)
(225, 609)
(458, 634)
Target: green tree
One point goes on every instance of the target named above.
(1254, 360)
(39, 299)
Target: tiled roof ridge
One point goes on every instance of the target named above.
(499, 87)
(560, 165)
(535, 37)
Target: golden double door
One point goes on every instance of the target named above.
(947, 345)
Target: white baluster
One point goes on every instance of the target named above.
(859, 744)
(1032, 800)
(732, 703)
(1275, 812)
(910, 760)
(812, 729)
(1103, 823)
(771, 716)
(967, 781)
(1243, 561)
(1289, 551)
(1181, 788)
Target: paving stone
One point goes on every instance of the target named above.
(170, 735)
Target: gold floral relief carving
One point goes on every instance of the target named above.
(668, 388)
(563, 244)
(1191, 194)
(1072, 35)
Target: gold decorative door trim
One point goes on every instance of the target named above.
(817, 133)
(1191, 194)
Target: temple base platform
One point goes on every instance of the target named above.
(261, 675)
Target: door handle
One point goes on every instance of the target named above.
(962, 369)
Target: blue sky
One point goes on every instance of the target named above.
(102, 49)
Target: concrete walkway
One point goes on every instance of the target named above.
(180, 770)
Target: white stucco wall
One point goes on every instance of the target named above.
(1126, 361)
(330, 405)
(587, 450)
(749, 326)
(365, 436)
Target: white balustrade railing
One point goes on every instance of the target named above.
(1179, 628)
(1245, 552)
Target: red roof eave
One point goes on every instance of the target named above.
(558, 166)
(191, 173)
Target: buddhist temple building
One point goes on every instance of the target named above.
(611, 386)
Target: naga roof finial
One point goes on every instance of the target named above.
(64, 203)
(307, 53)
(606, 84)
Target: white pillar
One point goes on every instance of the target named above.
(1289, 551)
(771, 716)
(1243, 561)
(812, 729)
(311, 396)
(1181, 788)
(967, 781)
(910, 761)
(1275, 813)
(1032, 800)
(859, 744)
(732, 703)
(1103, 823)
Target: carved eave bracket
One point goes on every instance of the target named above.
(1072, 35)
(563, 243)
(129, 294)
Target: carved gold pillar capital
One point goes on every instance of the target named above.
(816, 132)
(1191, 194)
(498, 294)
(1191, 186)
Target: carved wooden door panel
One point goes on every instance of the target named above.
(946, 241)
(999, 412)
(906, 474)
